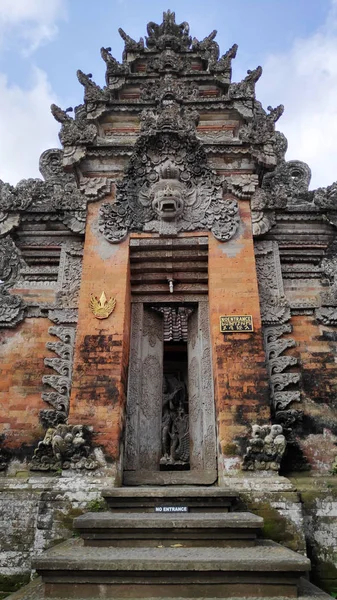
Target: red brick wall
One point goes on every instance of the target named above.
(316, 348)
(22, 351)
(241, 383)
(102, 346)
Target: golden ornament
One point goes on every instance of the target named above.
(102, 307)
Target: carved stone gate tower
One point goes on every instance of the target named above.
(153, 201)
(179, 147)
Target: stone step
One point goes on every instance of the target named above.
(190, 529)
(145, 499)
(35, 590)
(72, 570)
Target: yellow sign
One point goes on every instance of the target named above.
(102, 307)
(232, 323)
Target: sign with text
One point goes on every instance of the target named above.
(170, 509)
(233, 323)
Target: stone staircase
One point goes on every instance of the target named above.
(134, 552)
(144, 548)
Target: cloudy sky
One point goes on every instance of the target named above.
(44, 42)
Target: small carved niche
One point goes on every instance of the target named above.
(175, 437)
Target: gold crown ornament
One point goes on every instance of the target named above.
(102, 307)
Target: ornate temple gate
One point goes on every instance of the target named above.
(144, 426)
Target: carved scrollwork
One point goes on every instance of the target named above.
(12, 307)
(277, 365)
(327, 312)
(61, 383)
(70, 271)
(274, 305)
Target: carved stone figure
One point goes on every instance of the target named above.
(175, 424)
(266, 448)
(64, 447)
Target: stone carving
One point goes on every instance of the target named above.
(277, 365)
(175, 425)
(70, 272)
(10, 262)
(259, 133)
(327, 313)
(242, 186)
(63, 316)
(246, 87)
(59, 192)
(65, 447)
(75, 132)
(93, 93)
(223, 65)
(266, 448)
(168, 62)
(168, 186)
(208, 47)
(61, 383)
(12, 307)
(168, 85)
(274, 305)
(286, 186)
(130, 44)
(169, 34)
(115, 71)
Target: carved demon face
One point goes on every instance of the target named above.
(167, 200)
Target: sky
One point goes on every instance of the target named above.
(44, 42)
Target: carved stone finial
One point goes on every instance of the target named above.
(225, 62)
(169, 34)
(207, 47)
(130, 44)
(93, 92)
(246, 87)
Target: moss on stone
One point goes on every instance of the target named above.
(277, 527)
(230, 449)
(67, 518)
(12, 583)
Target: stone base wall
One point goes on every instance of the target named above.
(37, 513)
(318, 496)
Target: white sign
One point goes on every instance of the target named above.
(170, 509)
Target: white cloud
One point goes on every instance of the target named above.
(304, 79)
(26, 126)
(33, 22)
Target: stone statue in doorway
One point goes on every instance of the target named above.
(175, 424)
